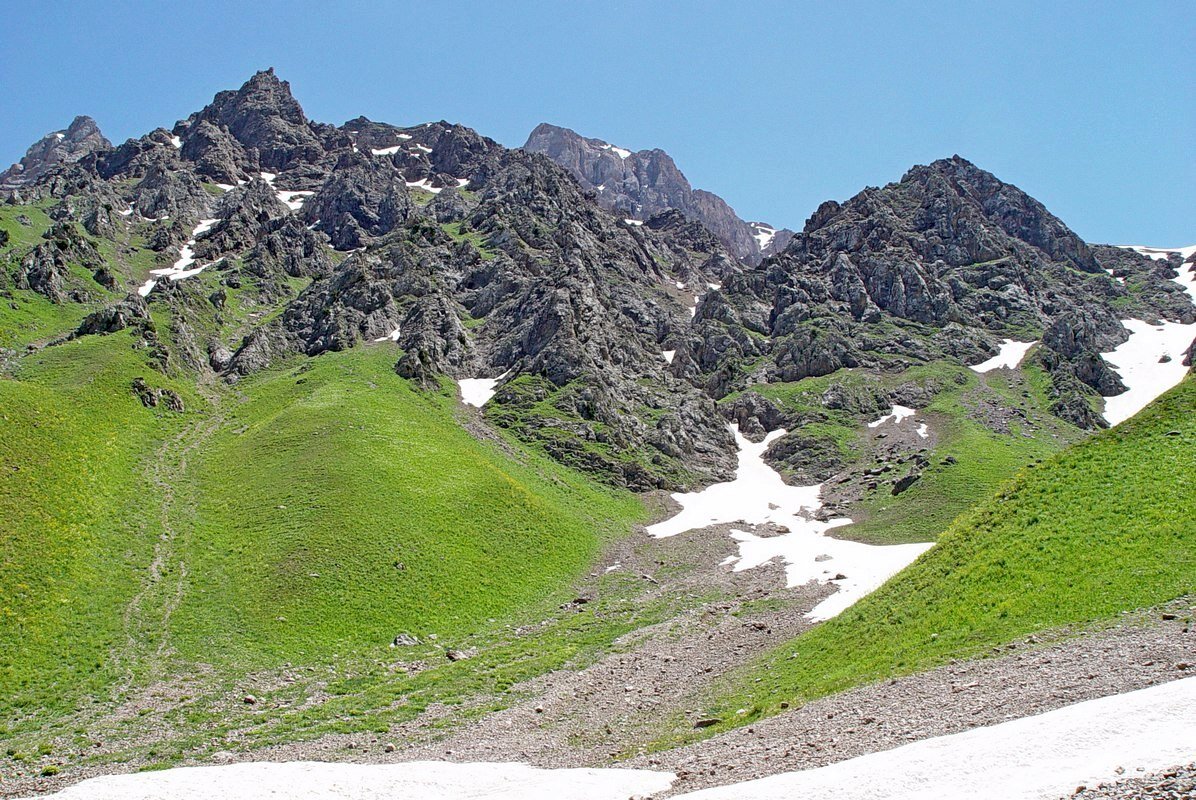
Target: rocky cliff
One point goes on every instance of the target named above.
(641, 184)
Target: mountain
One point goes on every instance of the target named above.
(315, 435)
(641, 184)
(77, 140)
(941, 264)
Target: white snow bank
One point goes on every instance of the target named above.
(897, 414)
(924, 431)
(392, 336)
(177, 142)
(416, 780)
(387, 151)
(1034, 758)
(1151, 361)
(477, 391)
(1161, 253)
(763, 235)
(181, 268)
(635, 222)
(294, 200)
(1008, 357)
(619, 151)
(1137, 362)
(426, 185)
(668, 355)
(422, 148)
(758, 496)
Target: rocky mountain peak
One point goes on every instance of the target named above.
(643, 183)
(262, 116)
(79, 139)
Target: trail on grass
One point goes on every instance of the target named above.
(146, 618)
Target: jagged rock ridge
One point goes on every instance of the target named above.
(641, 184)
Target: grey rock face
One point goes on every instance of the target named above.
(938, 265)
(80, 139)
(641, 184)
(364, 196)
(264, 118)
(45, 269)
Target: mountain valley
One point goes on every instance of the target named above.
(377, 443)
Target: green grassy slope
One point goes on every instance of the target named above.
(75, 529)
(339, 507)
(308, 515)
(982, 459)
(1105, 526)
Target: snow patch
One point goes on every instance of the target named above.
(1008, 356)
(294, 200)
(1151, 361)
(426, 185)
(897, 413)
(1032, 758)
(1161, 253)
(392, 336)
(60, 136)
(181, 268)
(758, 496)
(477, 391)
(714, 286)
(635, 222)
(268, 177)
(1139, 362)
(224, 187)
(422, 148)
(924, 431)
(619, 151)
(668, 355)
(307, 780)
(763, 235)
(387, 151)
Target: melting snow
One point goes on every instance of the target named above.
(759, 496)
(387, 151)
(422, 148)
(426, 185)
(60, 136)
(477, 391)
(1044, 756)
(392, 336)
(897, 414)
(1008, 357)
(636, 222)
(307, 780)
(924, 431)
(763, 235)
(619, 151)
(294, 200)
(1151, 361)
(714, 286)
(1161, 253)
(268, 177)
(1137, 361)
(181, 268)
(668, 355)
(226, 187)
(177, 142)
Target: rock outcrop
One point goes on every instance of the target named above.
(641, 184)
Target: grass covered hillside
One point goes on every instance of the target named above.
(982, 428)
(1105, 526)
(307, 516)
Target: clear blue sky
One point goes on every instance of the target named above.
(1089, 106)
